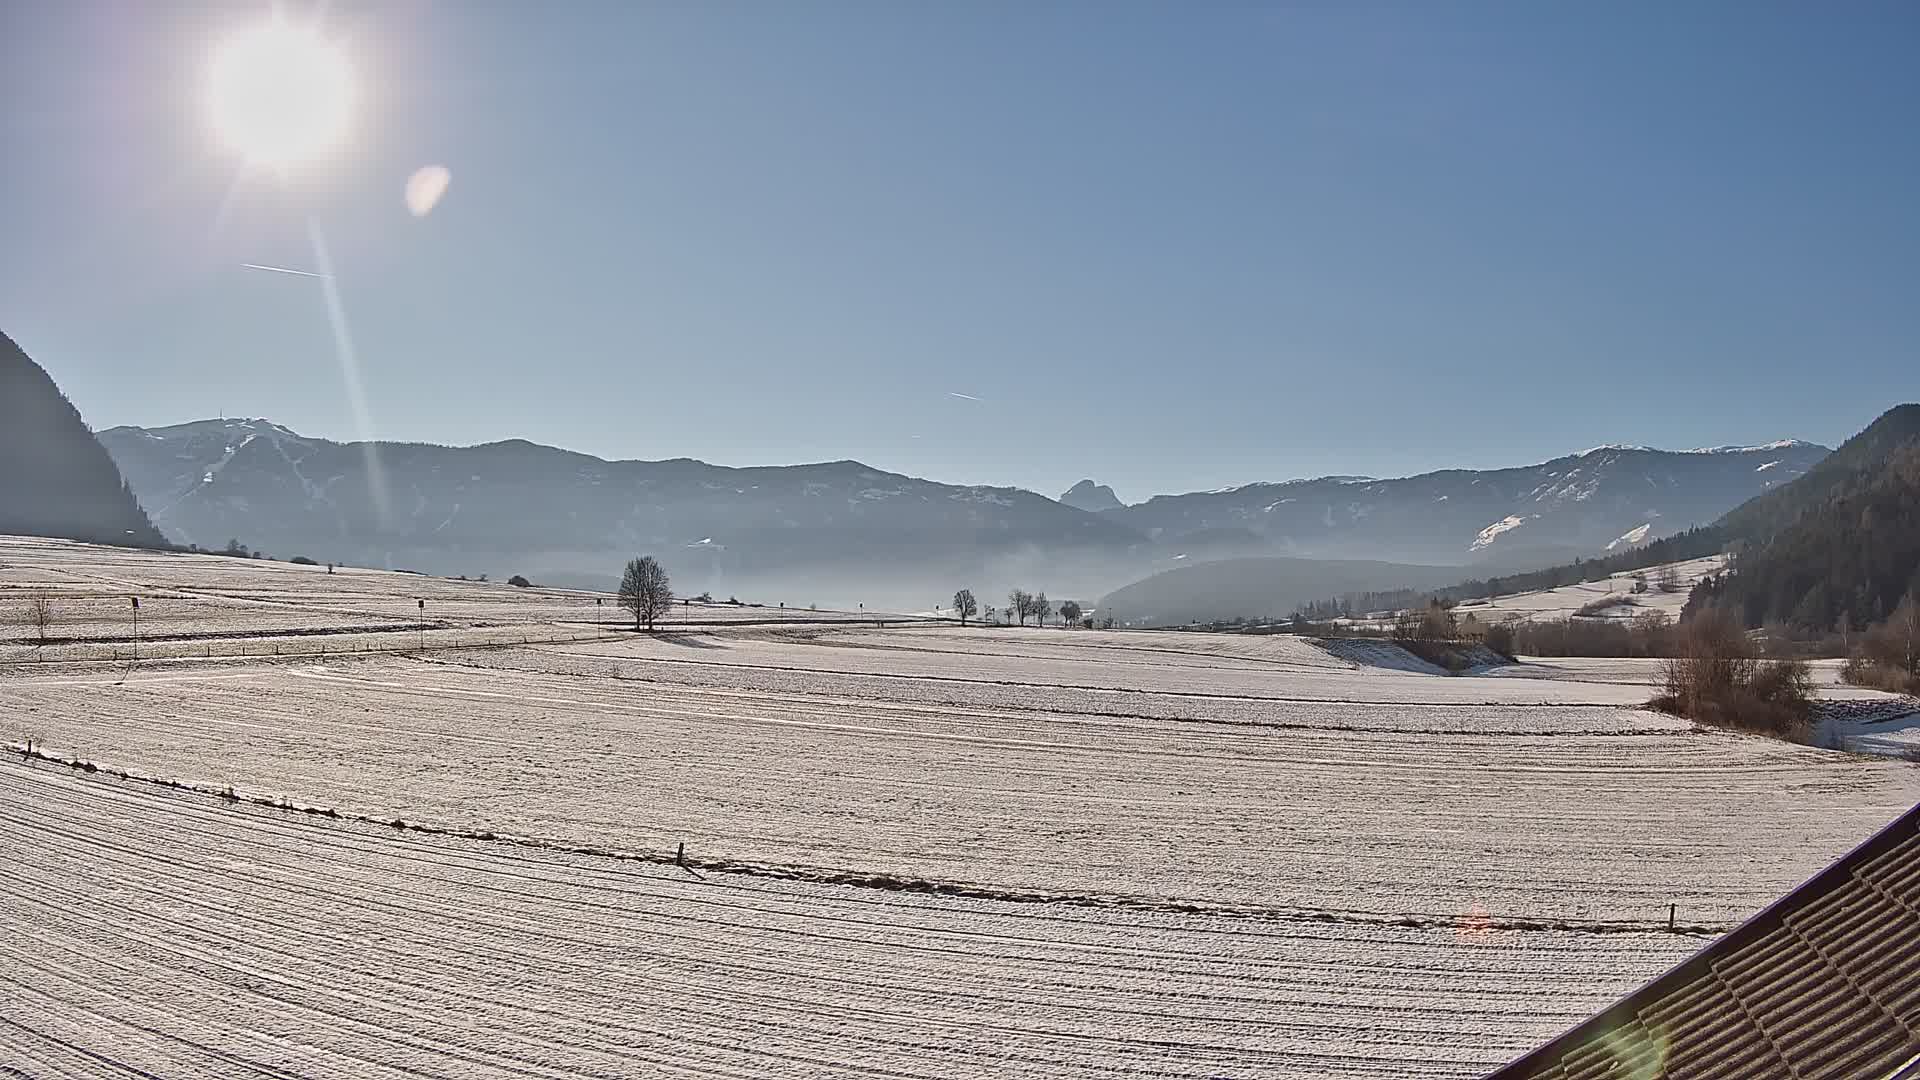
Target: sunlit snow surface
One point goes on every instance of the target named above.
(1256, 859)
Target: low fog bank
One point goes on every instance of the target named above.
(901, 584)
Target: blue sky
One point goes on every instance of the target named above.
(1169, 246)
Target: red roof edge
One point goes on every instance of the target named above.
(1899, 830)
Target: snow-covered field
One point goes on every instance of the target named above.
(1567, 600)
(211, 606)
(153, 933)
(914, 852)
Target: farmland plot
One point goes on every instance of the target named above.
(207, 606)
(158, 933)
(918, 852)
(1302, 673)
(1335, 812)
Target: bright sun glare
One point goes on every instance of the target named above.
(279, 94)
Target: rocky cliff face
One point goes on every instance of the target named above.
(1091, 497)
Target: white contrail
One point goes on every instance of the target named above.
(968, 397)
(350, 373)
(281, 270)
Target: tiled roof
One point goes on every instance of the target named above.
(1822, 985)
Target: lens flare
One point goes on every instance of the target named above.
(279, 94)
(425, 187)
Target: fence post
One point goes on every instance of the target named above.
(1671, 909)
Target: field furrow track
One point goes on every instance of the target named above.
(1430, 812)
(162, 933)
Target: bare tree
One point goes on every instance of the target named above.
(645, 591)
(40, 614)
(1895, 643)
(1070, 612)
(1020, 605)
(1041, 609)
(1905, 624)
(965, 605)
(1667, 580)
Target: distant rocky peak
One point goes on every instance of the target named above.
(1091, 497)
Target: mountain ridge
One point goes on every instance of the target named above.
(58, 479)
(513, 505)
(840, 530)
(1575, 504)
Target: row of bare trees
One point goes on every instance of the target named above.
(1021, 604)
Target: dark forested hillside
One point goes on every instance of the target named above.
(1837, 546)
(1839, 565)
(1856, 465)
(55, 478)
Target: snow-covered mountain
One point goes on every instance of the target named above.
(845, 531)
(839, 530)
(1608, 497)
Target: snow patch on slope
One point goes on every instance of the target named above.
(1493, 532)
(1777, 444)
(1632, 537)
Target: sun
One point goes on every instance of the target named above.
(279, 94)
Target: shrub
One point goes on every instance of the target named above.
(1717, 678)
(1604, 604)
(1499, 638)
(302, 560)
(1861, 671)
(519, 582)
(1888, 655)
(1647, 634)
(1441, 654)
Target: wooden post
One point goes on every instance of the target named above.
(680, 857)
(1671, 908)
